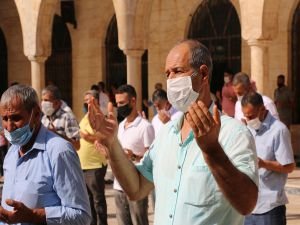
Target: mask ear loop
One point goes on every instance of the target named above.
(194, 74)
(30, 120)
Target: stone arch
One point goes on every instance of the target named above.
(37, 26)
(133, 23)
(59, 65)
(3, 63)
(196, 4)
(216, 24)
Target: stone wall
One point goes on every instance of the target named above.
(88, 50)
(169, 22)
(18, 64)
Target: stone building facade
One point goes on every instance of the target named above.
(76, 43)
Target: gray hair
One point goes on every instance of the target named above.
(53, 90)
(241, 78)
(93, 93)
(22, 94)
(200, 55)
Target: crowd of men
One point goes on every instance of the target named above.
(202, 164)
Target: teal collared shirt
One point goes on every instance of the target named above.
(186, 191)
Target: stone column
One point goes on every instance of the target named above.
(38, 73)
(134, 72)
(259, 63)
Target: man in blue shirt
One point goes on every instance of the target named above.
(275, 161)
(43, 181)
(203, 165)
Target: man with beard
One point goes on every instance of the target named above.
(135, 135)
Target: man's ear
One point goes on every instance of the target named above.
(204, 72)
(263, 108)
(37, 112)
(56, 103)
(133, 100)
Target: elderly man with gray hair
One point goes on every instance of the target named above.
(43, 181)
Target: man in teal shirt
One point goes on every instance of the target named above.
(203, 165)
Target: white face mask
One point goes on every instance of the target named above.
(47, 108)
(180, 92)
(226, 80)
(240, 97)
(254, 124)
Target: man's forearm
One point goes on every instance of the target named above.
(277, 167)
(124, 170)
(237, 187)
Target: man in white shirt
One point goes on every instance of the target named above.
(241, 86)
(135, 135)
(165, 111)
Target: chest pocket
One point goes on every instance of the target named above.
(199, 186)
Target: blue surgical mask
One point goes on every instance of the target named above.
(20, 136)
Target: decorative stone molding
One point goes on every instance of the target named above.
(134, 52)
(39, 59)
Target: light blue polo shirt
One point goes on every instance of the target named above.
(273, 142)
(186, 191)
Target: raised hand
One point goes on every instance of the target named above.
(206, 127)
(105, 127)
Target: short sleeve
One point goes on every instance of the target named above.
(283, 147)
(239, 145)
(72, 127)
(145, 166)
(148, 135)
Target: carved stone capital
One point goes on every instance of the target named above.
(137, 53)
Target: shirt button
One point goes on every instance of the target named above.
(175, 190)
(179, 167)
(170, 216)
(180, 144)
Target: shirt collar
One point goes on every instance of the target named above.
(265, 124)
(57, 114)
(135, 123)
(40, 140)
(177, 123)
(268, 120)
